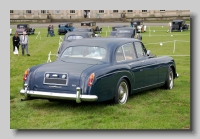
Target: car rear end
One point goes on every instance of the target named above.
(175, 26)
(62, 30)
(56, 80)
(20, 31)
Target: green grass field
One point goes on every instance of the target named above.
(154, 109)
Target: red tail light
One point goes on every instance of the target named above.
(26, 74)
(91, 79)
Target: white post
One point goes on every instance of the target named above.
(49, 59)
(149, 31)
(174, 45)
(38, 35)
(108, 28)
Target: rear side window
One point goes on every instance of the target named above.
(120, 55)
(129, 51)
(74, 37)
(125, 53)
(141, 52)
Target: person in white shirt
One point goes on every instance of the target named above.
(24, 43)
(169, 27)
(88, 14)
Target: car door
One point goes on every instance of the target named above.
(150, 66)
(126, 55)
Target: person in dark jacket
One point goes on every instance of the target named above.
(132, 22)
(48, 29)
(16, 41)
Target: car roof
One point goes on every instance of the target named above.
(120, 26)
(137, 21)
(84, 34)
(82, 29)
(102, 42)
(22, 24)
(65, 23)
(77, 33)
(126, 28)
(177, 20)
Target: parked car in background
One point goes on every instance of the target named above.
(72, 36)
(139, 25)
(179, 25)
(127, 32)
(114, 29)
(99, 69)
(91, 24)
(64, 28)
(88, 29)
(25, 27)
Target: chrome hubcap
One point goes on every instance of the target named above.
(171, 80)
(123, 93)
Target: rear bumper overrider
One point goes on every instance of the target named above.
(78, 97)
(177, 75)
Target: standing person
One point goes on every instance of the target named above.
(48, 30)
(88, 14)
(131, 22)
(85, 14)
(24, 43)
(169, 27)
(52, 30)
(16, 41)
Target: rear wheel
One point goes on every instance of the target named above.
(122, 92)
(169, 82)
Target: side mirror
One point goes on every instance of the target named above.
(148, 52)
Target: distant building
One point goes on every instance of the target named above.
(76, 14)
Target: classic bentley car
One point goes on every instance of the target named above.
(99, 69)
(72, 36)
(127, 32)
(25, 27)
(91, 24)
(64, 28)
(179, 25)
(139, 25)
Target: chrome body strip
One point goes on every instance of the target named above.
(41, 94)
(149, 85)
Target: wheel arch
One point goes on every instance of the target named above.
(173, 69)
(128, 81)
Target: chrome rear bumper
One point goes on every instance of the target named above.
(52, 95)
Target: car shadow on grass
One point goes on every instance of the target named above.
(63, 104)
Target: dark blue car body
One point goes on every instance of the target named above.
(113, 69)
